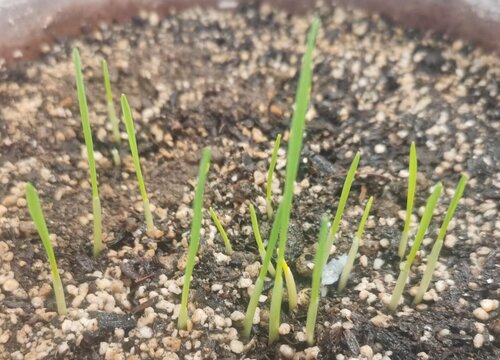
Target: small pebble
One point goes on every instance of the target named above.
(489, 305)
(480, 314)
(478, 341)
(286, 351)
(236, 346)
(10, 285)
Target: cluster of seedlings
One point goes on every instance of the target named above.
(277, 241)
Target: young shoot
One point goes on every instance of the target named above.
(84, 113)
(289, 279)
(419, 237)
(436, 249)
(293, 157)
(129, 124)
(35, 210)
(319, 258)
(270, 174)
(227, 244)
(259, 283)
(111, 107)
(194, 242)
(412, 183)
(354, 247)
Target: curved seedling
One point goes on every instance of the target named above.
(227, 244)
(194, 242)
(129, 123)
(84, 113)
(35, 210)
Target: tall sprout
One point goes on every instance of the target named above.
(422, 229)
(354, 247)
(436, 249)
(412, 184)
(35, 210)
(194, 242)
(319, 258)
(293, 157)
(270, 173)
(129, 123)
(84, 113)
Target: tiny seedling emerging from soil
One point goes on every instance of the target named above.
(292, 166)
(270, 174)
(36, 213)
(111, 107)
(419, 237)
(194, 242)
(129, 124)
(227, 244)
(319, 258)
(354, 247)
(436, 249)
(412, 183)
(84, 113)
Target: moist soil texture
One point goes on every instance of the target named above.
(227, 80)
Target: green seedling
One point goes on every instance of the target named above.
(419, 237)
(111, 107)
(259, 283)
(353, 251)
(293, 157)
(436, 249)
(129, 124)
(319, 258)
(412, 184)
(289, 279)
(270, 174)
(35, 210)
(194, 242)
(227, 244)
(84, 113)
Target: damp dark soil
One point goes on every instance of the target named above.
(227, 80)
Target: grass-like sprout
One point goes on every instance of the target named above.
(412, 183)
(194, 242)
(270, 173)
(129, 124)
(419, 237)
(319, 258)
(111, 107)
(354, 247)
(289, 279)
(227, 244)
(293, 157)
(84, 113)
(436, 249)
(259, 283)
(258, 239)
(36, 213)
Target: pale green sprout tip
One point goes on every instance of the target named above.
(36, 212)
(223, 234)
(419, 237)
(319, 259)
(436, 249)
(129, 124)
(353, 251)
(293, 157)
(111, 107)
(270, 173)
(258, 238)
(194, 241)
(84, 113)
(412, 184)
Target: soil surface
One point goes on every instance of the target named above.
(227, 80)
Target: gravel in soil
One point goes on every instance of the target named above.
(227, 80)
